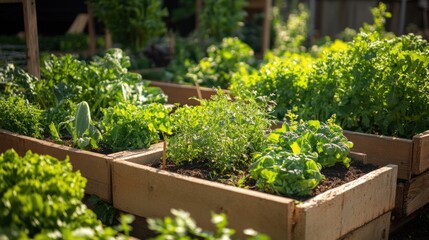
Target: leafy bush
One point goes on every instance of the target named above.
(132, 22)
(15, 81)
(223, 60)
(219, 133)
(104, 82)
(41, 199)
(19, 116)
(377, 86)
(127, 126)
(291, 163)
(220, 18)
(182, 226)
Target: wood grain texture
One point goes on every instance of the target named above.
(377, 229)
(383, 150)
(417, 194)
(182, 93)
(346, 207)
(31, 37)
(95, 167)
(420, 153)
(149, 192)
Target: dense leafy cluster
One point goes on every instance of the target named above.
(42, 199)
(224, 59)
(104, 82)
(132, 22)
(128, 126)
(183, 227)
(296, 152)
(219, 133)
(100, 84)
(220, 18)
(19, 116)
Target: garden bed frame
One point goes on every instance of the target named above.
(354, 209)
(95, 167)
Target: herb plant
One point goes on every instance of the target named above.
(85, 135)
(296, 152)
(128, 126)
(42, 198)
(224, 59)
(132, 22)
(183, 227)
(220, 18)
(19, 116)
(219, 133)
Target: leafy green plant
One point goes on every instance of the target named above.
(19, 116)
(224, 59)
(132, 22)
(220, 18)
(127, 126)
(103, 82)
(281, 171)
(104, 211)
(296, 152)
(41, 199)
(183, 227)
(85, 135)
(291, 35)
(219, 133)
(15, 81)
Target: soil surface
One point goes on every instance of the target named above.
(415, 229)
(334, 176)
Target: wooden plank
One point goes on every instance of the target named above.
(31, 38)
(377, 229)
(150, 192)
(383, 150)
(182, 93)
(266, 27)
(256, 4)
(93, 166)
(79, 23)
(417, 194)
(420, 153)
(91, 31)
(347, 207)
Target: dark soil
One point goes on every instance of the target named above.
(335, 176)
(415, 229)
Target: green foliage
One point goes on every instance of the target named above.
(219, 133)
(325, 139)
(131, 22)
(104, 211)
(290, 36)
(183, 227)
(42, 199)
(223, 60)
(127, 126)
(291, 163)
(104, 82)
(283, 172)
(379, 14)
(376, 85)
(283, 78)
(220, 18)
(15, 81)
(19, 116)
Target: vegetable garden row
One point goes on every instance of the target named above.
(260, 146)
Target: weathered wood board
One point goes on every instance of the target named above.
(150, 192)
(95, 167)
(346, 207)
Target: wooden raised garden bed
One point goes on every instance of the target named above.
(181, 94)
(411, 155)
(352, 210)
(412, 158)
(95, 167)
